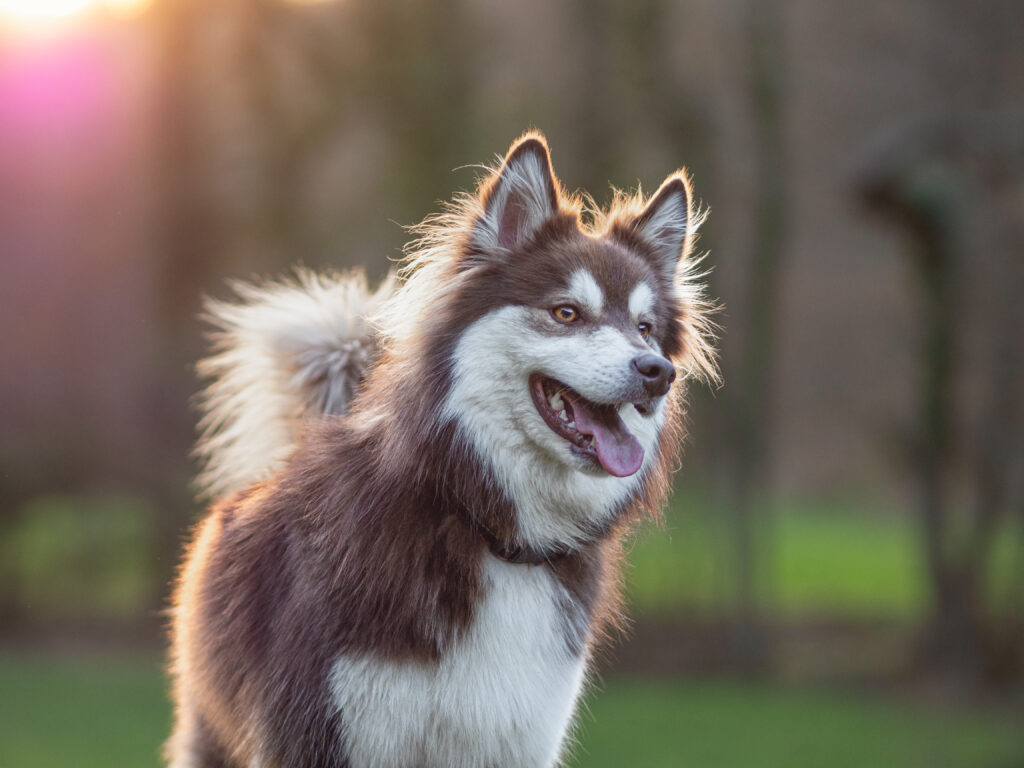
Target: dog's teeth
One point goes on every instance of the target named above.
(563, 416)
(571, 425)
(556, 401)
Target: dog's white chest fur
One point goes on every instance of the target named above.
(502, 696)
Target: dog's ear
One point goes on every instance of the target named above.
(522, 196)
(667, 223)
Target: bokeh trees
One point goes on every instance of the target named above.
(281, 133)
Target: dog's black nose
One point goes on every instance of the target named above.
(657, 373)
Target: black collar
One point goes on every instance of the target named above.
(522, 554)
(510, 552)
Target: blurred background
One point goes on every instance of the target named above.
(840, 577)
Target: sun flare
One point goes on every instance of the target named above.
(41, 11)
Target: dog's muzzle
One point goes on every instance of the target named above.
(656, 372)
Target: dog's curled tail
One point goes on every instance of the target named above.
(286, 352)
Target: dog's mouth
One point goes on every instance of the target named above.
(595, 430)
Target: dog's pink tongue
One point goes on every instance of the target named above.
(619, 452)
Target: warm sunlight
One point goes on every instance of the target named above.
(42, 11)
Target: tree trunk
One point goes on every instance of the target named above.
(750, 401)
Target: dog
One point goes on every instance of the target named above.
(423, 488)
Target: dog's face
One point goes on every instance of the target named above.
(561, 376)
(575, 362)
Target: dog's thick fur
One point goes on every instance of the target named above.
(413, 557)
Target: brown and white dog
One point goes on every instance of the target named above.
(418, 539)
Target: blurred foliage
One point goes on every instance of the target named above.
(80, 557)
(828, 559)
(209, 140)
(68, 558)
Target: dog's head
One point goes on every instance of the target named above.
(568, 337)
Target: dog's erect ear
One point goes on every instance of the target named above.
(522, 196)
(667, 222)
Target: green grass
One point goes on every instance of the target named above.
(93, 713)
(724, 725)
(64, 713)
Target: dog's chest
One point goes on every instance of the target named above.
(503, 696)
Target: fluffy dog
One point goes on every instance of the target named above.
(417, 542)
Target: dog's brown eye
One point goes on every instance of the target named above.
(645, 330)
(566, 313)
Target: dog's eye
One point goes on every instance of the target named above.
(645, 330)
(566, 313)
